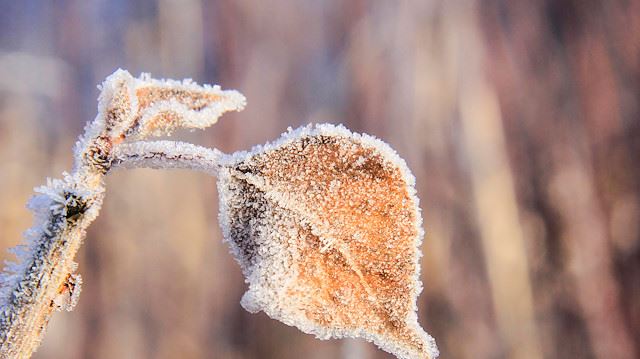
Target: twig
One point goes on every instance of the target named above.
(130, 109)
(167, 154)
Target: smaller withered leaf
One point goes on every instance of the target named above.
(326, 226)
(137, 108)
(133, 109)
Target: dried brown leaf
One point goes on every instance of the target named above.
(326, 226)
(136, 108)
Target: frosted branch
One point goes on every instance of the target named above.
(43, 278)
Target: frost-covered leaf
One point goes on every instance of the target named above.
(326, 226)
(133, 109)
(142, 107)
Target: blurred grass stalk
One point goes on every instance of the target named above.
(497, 216)
(494, 198)
(589, 262)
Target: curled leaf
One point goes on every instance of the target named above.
(136, 108)
(133, 109)
(326, 226)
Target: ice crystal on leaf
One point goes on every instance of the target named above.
(326, 226)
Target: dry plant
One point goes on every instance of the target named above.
(324, 222)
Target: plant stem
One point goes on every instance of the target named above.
(167, 155)
(129, 109)
(44, 279)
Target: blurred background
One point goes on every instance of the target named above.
(520, 120)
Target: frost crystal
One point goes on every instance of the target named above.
(326, 226)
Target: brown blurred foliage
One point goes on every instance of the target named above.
(519, 119)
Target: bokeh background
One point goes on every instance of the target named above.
(520, 120)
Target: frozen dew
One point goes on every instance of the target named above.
(326, 226)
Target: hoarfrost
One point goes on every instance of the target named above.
(326, 226)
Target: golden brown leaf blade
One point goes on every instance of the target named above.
(327, 229)
(137, 108)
